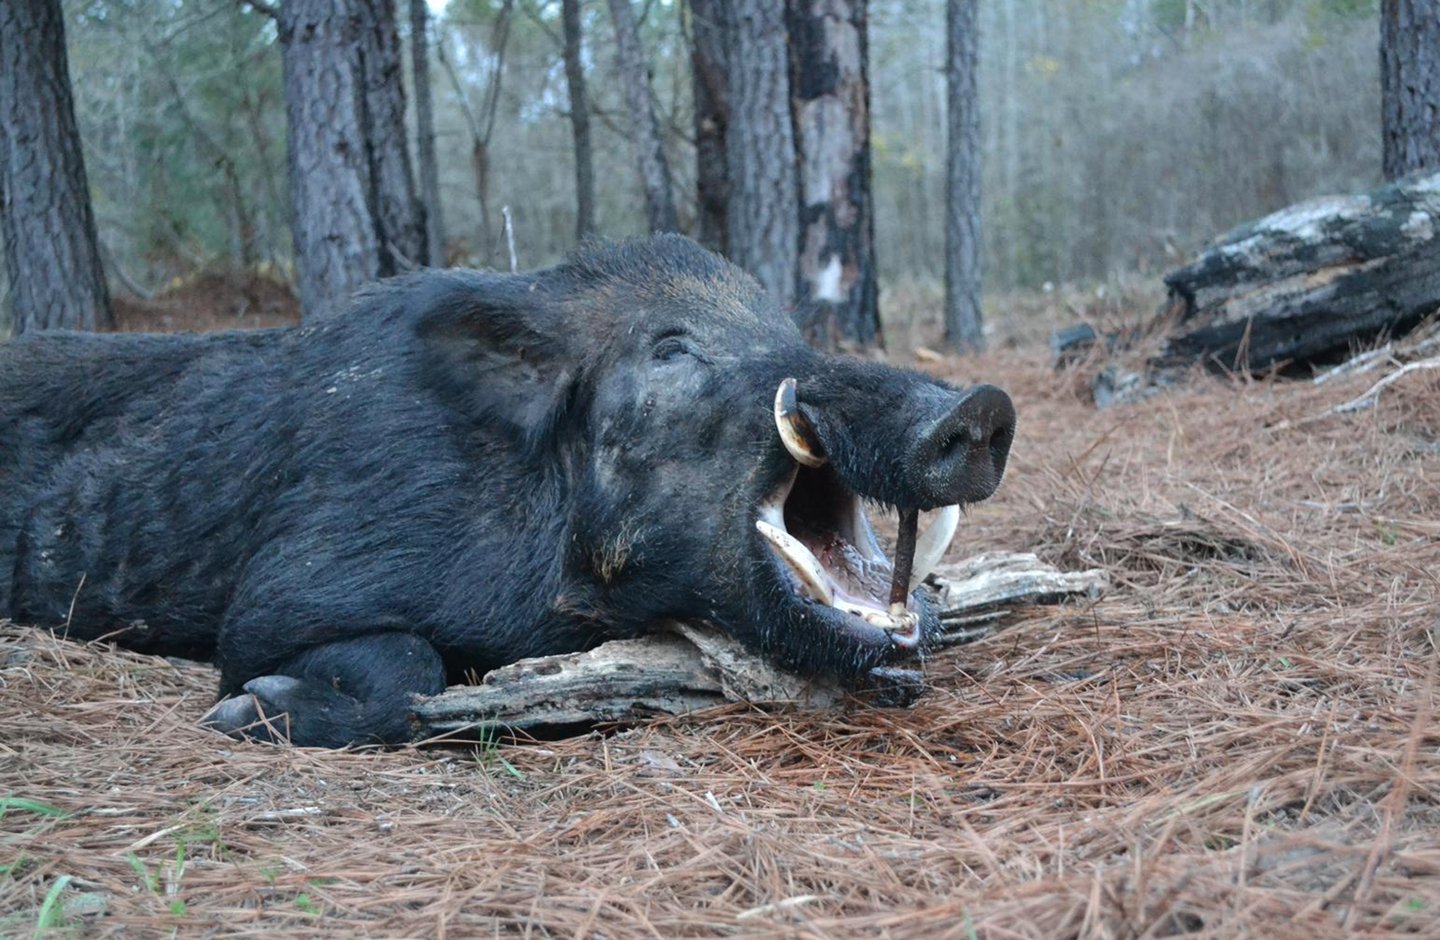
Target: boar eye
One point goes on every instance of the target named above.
(672, 348)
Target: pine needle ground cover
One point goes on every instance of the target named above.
(1240, 738)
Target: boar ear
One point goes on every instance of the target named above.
(497, 351)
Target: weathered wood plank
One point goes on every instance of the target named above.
(978, 593)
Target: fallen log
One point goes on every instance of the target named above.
(1310, 283)
(691, 666)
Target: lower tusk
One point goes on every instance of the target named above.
(795, 432)
(800, 559)
(932, 544)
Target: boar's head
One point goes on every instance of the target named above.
(699, 460)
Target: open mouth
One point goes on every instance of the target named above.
(817, 528)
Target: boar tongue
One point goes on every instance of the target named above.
(904, 558)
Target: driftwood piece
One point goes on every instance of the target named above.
(617, 681)
(691, 666)
(1311, 281)
(977, 594)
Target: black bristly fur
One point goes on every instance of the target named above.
(462, 470)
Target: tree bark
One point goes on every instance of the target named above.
(1410, 86)
(337, 246)
(830, 101)
(763, 212)
(425, 135)
(354, 214)
(708, 65)
(52, 257)
(653, 165)
(579, 120)
(392, 183)
(963, 327)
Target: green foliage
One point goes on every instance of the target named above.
(150, 881)
(1350, 9)
(1173, 15)
(14, 869)
(487, 752)
(1170, 14)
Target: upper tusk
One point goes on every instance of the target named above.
(795, 432)
(931, 545)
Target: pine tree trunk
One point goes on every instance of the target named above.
(354, 214)
(830, 92)
(963, 328)
(579, 121)
(763, 213)
(52, 257)
(337, 246)
(401, 230)
(708, 63)
(654, 167)
(425, 134)
(1410, 85)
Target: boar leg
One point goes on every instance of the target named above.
(354, 691)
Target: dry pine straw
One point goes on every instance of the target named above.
(1239, 740)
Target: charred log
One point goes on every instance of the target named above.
(1310, 283)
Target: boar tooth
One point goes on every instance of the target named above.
(773, 514)
(902, 625)
(800, 559)
(772, 508)
(907, 634)
(795, 431)
(884, 619)
(930, 547)
(861, 535)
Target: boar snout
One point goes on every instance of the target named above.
(959, 457)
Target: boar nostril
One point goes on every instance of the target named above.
(999, 444)
(955, 444)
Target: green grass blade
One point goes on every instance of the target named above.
(51, 914)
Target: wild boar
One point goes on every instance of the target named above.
(465, 469)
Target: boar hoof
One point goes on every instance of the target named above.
(259, 712)
(230, 715)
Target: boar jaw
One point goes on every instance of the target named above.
(817, 529)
